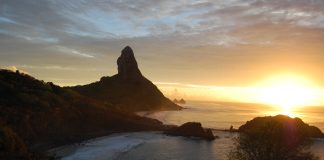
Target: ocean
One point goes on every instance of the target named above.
(156, 146)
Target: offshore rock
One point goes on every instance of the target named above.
(191, 129)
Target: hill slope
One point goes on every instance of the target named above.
(35, 115)
(129, 90)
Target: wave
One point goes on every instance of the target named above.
(105, 148)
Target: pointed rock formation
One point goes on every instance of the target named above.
(127, 65)
(128, 90)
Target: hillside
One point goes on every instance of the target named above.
(128, 90)
(35, 116)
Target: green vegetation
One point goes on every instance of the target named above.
(275, 138)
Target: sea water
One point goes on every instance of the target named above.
(156, 146)
(153, 146)
(222, 115)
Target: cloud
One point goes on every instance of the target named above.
(48, 67)
(108, 20)
(14, 69)
(74, 52)
(185, 37)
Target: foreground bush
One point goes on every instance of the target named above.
(11, 146)
(275, 138)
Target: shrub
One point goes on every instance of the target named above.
(274, 138)
(11, 146)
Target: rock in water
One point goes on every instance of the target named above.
(127, 65)
(182, 101)
(191, 129)
(128, 90)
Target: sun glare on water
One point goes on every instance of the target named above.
(288, 93)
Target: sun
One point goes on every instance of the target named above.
(288, 92)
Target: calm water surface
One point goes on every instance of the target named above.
(221, 115)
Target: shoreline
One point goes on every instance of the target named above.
(117, 142)
(122, 142)
(59, 149)
(50, 148)
(69, 149)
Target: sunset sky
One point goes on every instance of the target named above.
(178, 44)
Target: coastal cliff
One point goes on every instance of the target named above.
(37, 115)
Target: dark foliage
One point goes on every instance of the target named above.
(275, 138)
(11, 145)
(41, 115)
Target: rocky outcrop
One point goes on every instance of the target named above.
(128, 90)
(275, 138)
(127, 66)
(290, 127)
(181, 101)
(191, 129)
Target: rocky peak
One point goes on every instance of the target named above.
(128, 90)
(127, 65)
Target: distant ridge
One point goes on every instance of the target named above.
(127, 90)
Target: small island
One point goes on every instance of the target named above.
(181, 101)
(191, 129)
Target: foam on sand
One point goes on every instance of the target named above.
(104, 148)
